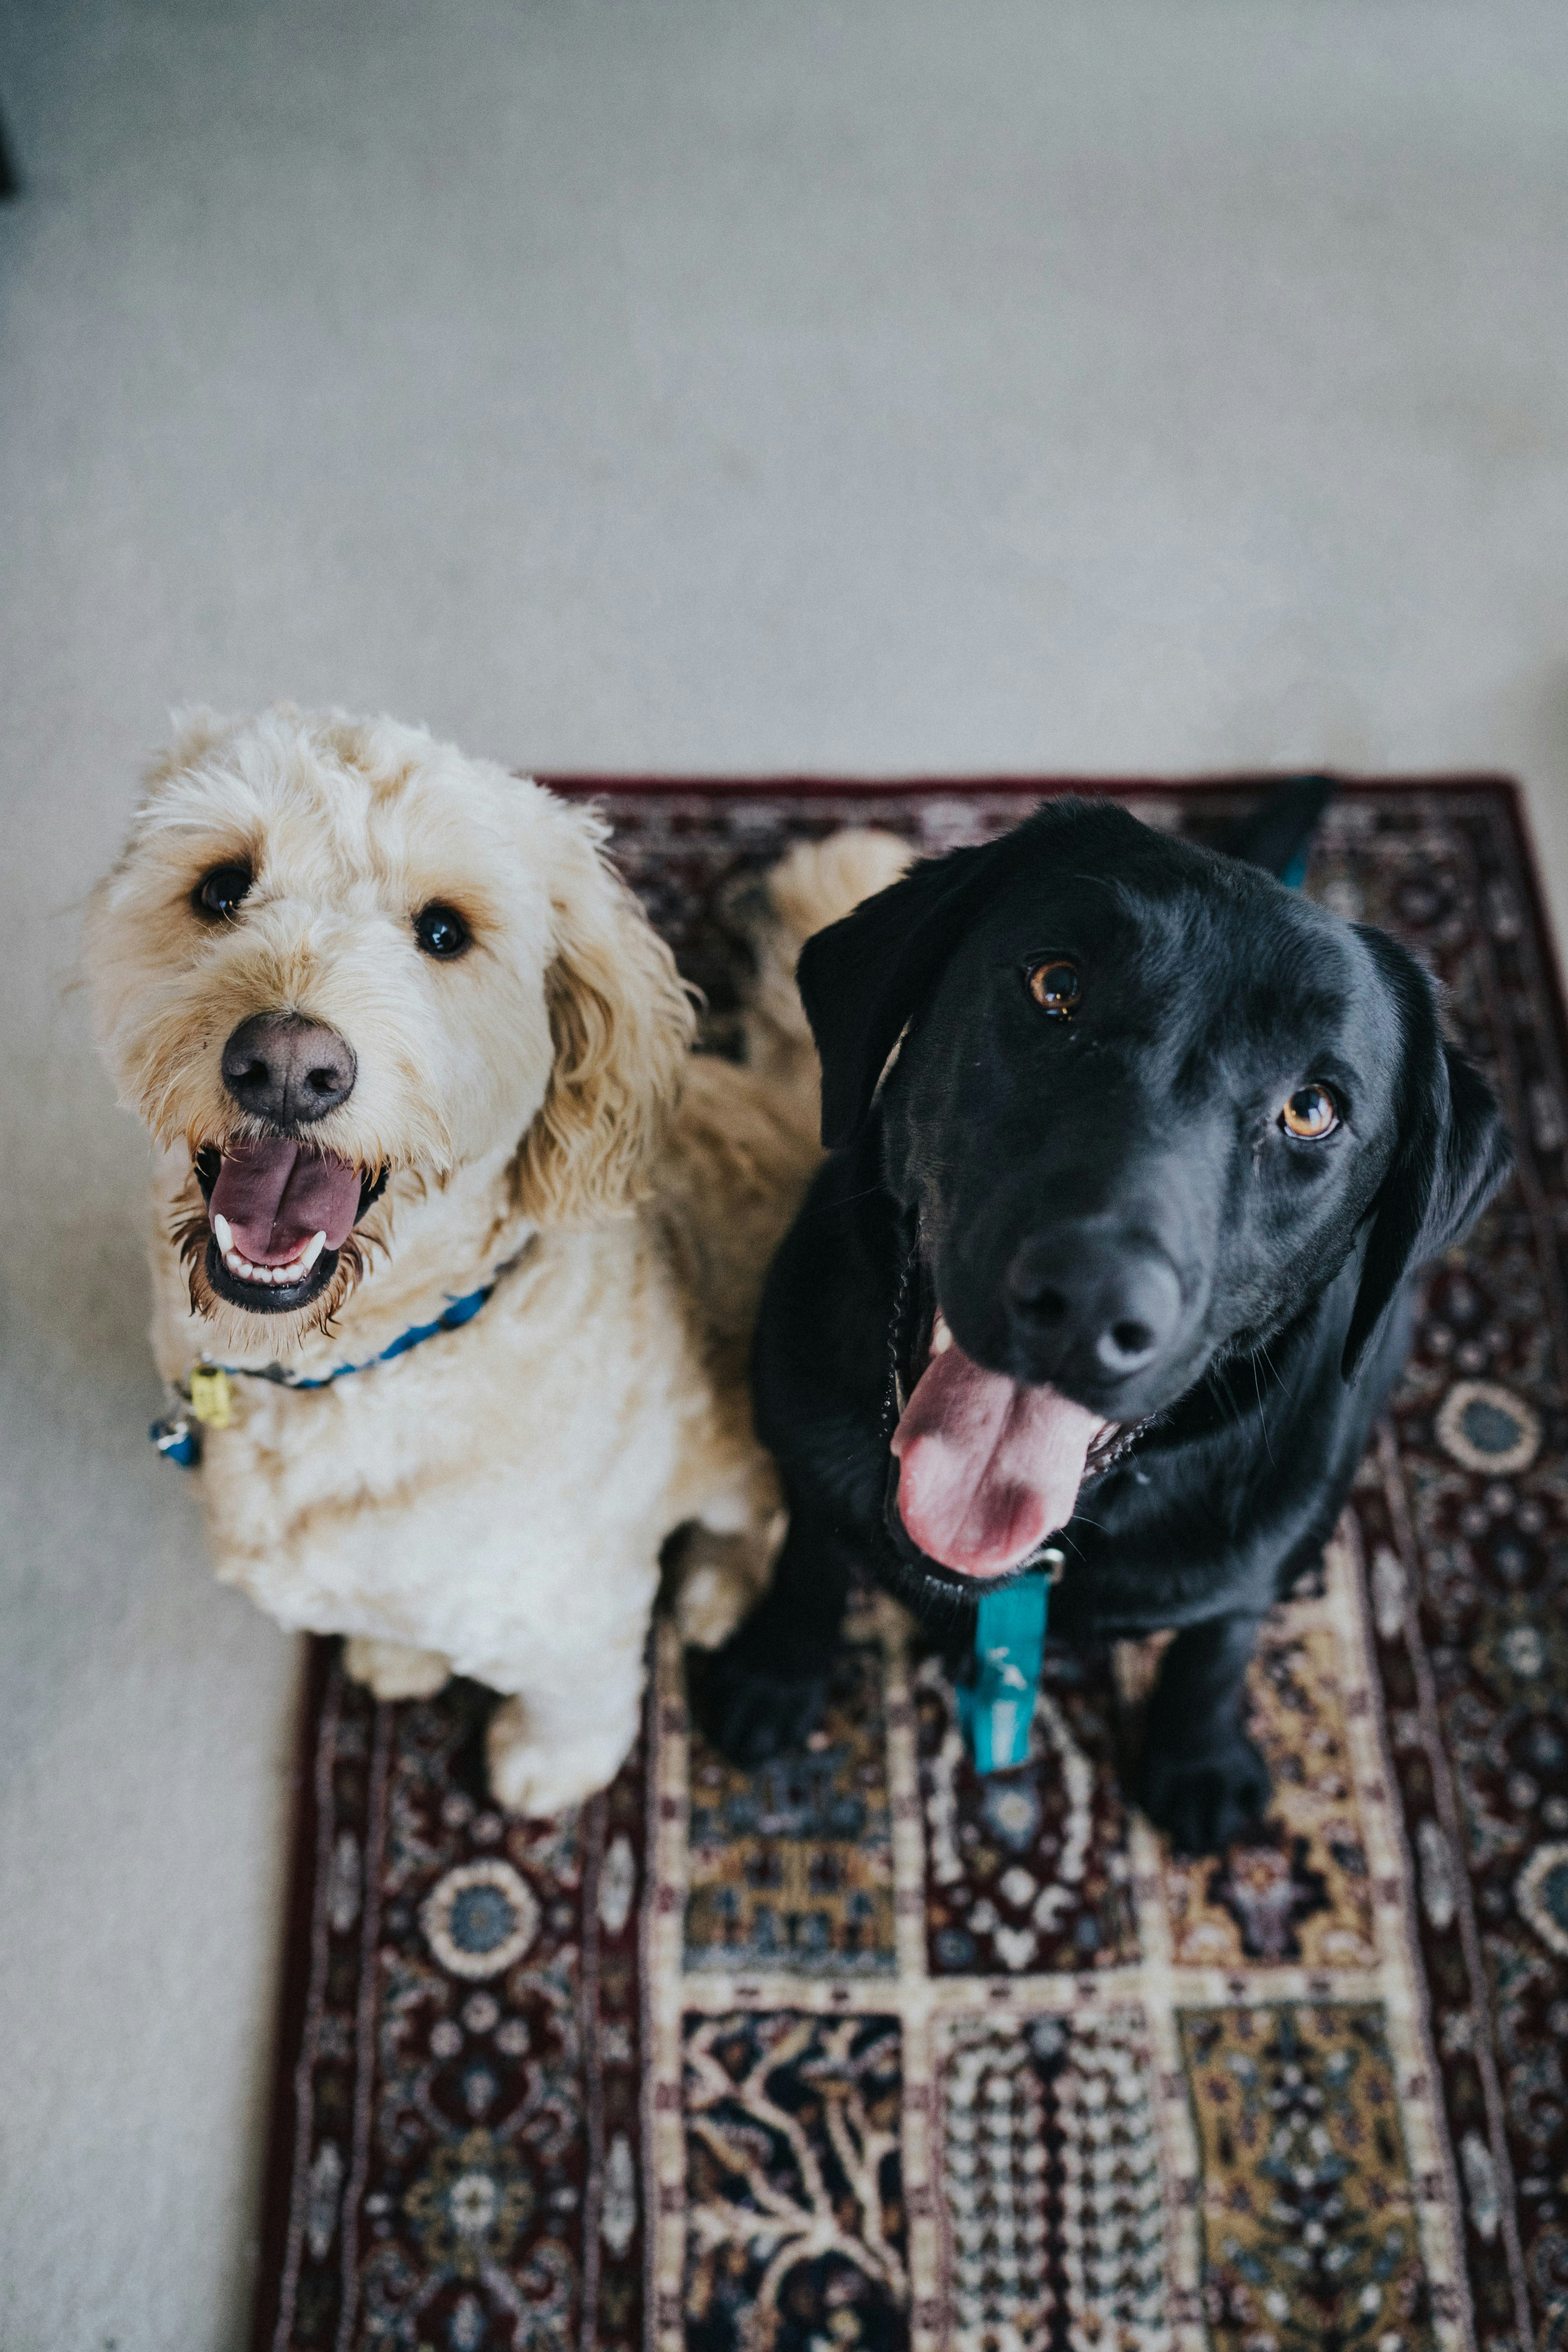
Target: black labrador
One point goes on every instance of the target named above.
(1134, 1156)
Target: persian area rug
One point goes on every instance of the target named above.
(859, 2051)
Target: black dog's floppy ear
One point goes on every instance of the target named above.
(1453, 1150)
(864, 977)
(1278, 833)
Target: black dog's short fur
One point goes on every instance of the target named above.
(1142, 1132)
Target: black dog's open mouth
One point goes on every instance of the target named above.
(279, 1215)
(983, 1470)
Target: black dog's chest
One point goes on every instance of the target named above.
(1139, 1561)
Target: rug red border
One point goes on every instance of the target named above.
(582, 785)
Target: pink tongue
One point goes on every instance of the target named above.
(276, 1196)
(987, 1467)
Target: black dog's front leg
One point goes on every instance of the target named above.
(762, 1694)
(1201, 1779)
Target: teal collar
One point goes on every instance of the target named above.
(996, 1704)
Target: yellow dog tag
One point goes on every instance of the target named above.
(211, 1400)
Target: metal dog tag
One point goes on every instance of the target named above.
(212, 1398)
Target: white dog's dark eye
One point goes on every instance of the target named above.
(1311, 1114)
(440, 931)
(1054, 985)
(220, 892)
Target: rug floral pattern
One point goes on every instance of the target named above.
(864, 2050)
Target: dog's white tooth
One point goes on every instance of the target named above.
(277, 1277)
(941, 1337)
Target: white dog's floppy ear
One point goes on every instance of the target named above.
(622, 1021)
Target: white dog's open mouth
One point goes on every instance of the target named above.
(279, 1215)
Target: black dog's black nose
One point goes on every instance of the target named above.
(1083, 1300)
(286, 1070)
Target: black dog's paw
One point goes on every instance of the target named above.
(1202, 1802)
(748, 1715)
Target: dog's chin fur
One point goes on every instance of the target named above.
(283, 1328)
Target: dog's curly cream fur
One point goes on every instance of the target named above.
(494, 1502)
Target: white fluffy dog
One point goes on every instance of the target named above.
(457, 1245)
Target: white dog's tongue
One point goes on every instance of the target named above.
(987, 1467)
(277, 1197)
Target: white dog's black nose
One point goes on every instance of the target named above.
(1085, 1302)
(287, 1070)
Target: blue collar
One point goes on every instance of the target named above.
(451, 1318)
(178, 1435)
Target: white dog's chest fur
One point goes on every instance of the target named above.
(498, 1491)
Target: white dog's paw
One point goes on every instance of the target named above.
(534, 1774)
(392, 1671)
(720, 1580)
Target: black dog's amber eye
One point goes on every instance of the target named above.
(1054, 986)
(1311, 1114)
(440, 932)
(220, 892)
